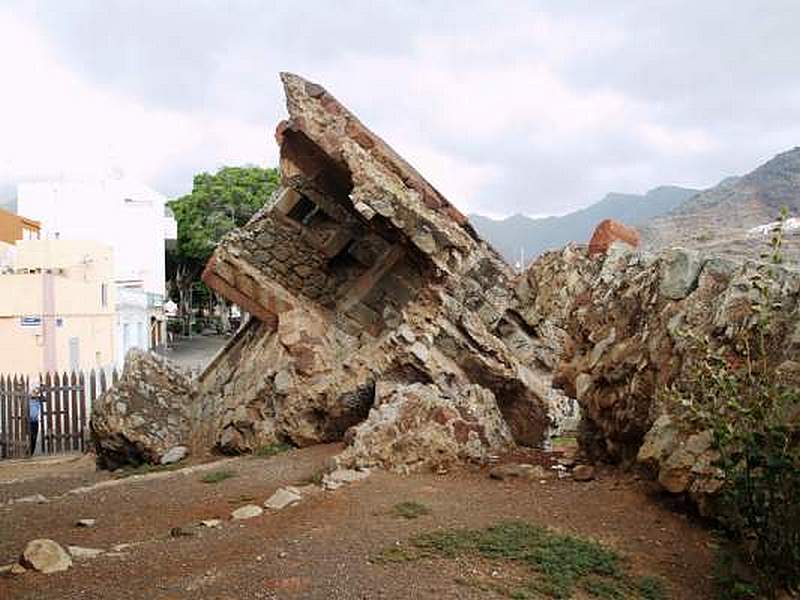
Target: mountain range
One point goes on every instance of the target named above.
(718, 221)
(520, 234)
(721, 220)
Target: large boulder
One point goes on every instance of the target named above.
(45, 556)
(422, 425)
(148, 412)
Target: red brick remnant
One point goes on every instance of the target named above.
(609, 231)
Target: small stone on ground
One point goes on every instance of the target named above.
(78, 552)
(211, 523)
(247, 511)
(583, 473)
(85, 523)
(282, 498)
(520, 470)
(174, 455)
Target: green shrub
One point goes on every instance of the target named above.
(753, 416)
(272, 449)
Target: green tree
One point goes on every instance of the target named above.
(218, 203)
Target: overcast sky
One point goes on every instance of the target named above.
(506, 107)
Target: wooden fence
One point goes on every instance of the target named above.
(64, 419)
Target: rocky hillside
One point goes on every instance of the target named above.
(720, 220)
(537, 235)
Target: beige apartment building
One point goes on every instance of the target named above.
(56, 306)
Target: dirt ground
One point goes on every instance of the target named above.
(324, 547)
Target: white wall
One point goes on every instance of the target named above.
(127, 215)
(132, 318)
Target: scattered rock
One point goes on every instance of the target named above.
(18, 569)
(174, 454)
(45, 556)
(282, 498)
(339, 477)
(181, 532)
(79, 552)
(212, 523)
(85, 522)
(125, 546)
(680, 269)
(583, 473)
(247, 511)
(427, 426)
(567, 461)
(520, 471)
(32, 499)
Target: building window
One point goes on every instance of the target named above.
(303, 210)
(104, 295)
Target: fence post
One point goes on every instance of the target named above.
(81, 430)
(3, 418)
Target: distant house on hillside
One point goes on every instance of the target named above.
(133, 219)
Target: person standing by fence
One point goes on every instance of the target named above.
(35, 414)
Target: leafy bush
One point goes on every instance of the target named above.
(752, 414)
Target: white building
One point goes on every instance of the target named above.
(133, 220)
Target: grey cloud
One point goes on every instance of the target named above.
(727, 70)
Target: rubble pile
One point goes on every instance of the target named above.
(143, 416)
(360, 277)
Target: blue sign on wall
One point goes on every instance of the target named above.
(32, 321)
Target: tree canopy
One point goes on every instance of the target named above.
(217, 204)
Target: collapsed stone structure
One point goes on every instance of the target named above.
(618, 321)
(360, 275)
(380, 318)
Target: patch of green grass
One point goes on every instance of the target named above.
(410, 510)
(558, 563)
(272, 449)
(564, 441)
(651, 588)
(217, 476)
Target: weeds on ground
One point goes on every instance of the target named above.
(272, 449)
(558, 564)
(314, 479)
(217, 476)
(729, 584)
(144, 469)
(410, 510)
